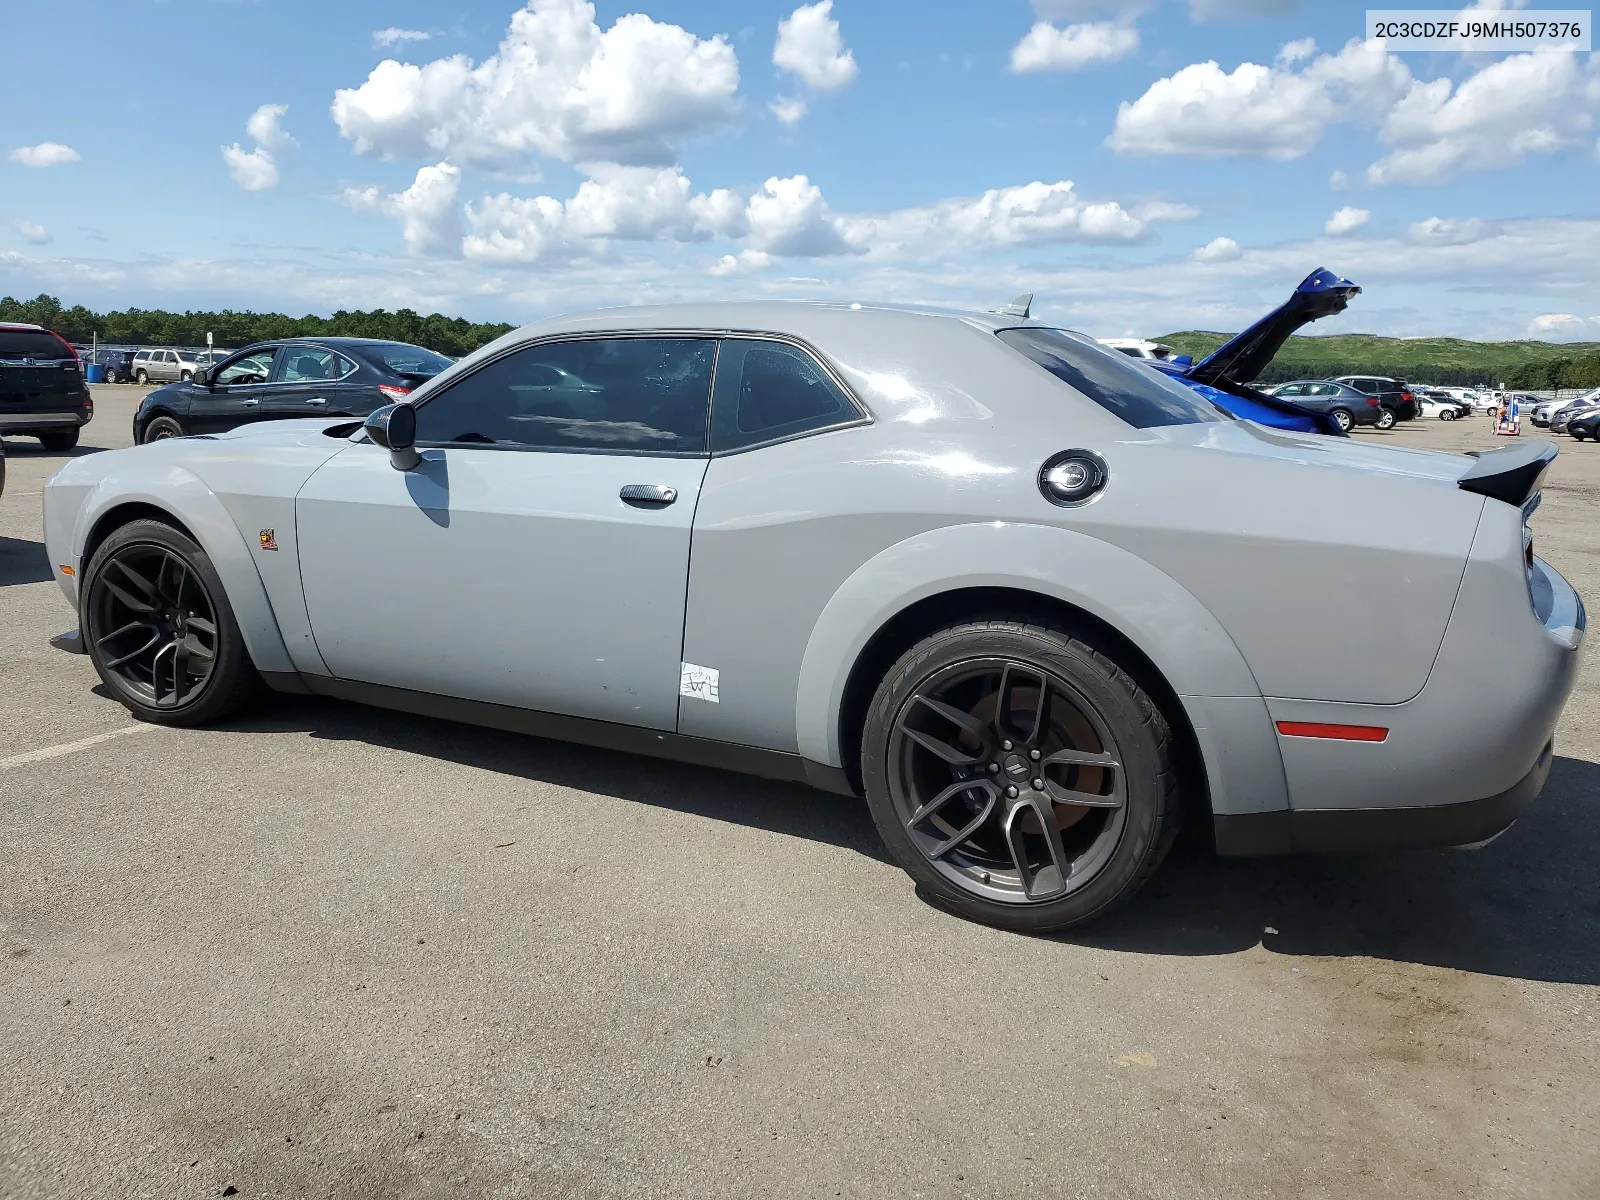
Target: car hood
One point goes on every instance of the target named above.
(1245, 355)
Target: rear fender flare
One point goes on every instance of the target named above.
(189, 502)
(1179, 635)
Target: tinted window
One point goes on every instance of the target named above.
(1141, 396)
(769, 390)
(30, 343)
(304, 363)
(1130, 351)
(252, 368)
(629, 395)
(407, 360)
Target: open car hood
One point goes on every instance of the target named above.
(1244, 356)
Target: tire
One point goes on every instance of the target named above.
(141, 376)
(59, 440)
(1343, 419)
(185, 376)
(986, 851)
(1386, 419)
(160, 429)
(137, 581)
(1447, 414)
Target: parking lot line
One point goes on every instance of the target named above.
(33, 756)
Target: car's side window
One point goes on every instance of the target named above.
(623, 395)
(768, 390)
(1292, 389)
(252, 368)
(305, 364)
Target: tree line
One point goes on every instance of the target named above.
(156, 327)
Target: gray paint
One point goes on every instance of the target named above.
(1232, 555)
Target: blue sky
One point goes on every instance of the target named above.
(1141, 165)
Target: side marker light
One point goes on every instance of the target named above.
(1340, 733)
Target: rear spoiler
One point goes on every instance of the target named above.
(1511, 474)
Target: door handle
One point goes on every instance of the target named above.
(253, 400)
(648, 495)
(318, 400)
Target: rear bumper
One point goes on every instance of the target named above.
(22, 422)
(1312, 831)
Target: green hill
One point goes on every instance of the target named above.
(1444, 361)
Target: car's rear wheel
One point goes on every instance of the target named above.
(160, 631)
(161, 428)
(1343, 419)
(59, 439)
(1386, 419)
(1019, 774)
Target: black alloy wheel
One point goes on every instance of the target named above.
(159, 630)
(1343, 419)
(1020, 775)
(160, 428)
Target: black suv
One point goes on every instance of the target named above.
(42, 389)
(1394, 394)
(294, 377)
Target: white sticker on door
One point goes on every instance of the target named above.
(698, 682)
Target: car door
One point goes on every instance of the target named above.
(309, 381)
(235, 393)
(539, 554)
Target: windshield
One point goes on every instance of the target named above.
(1141, 396)
(408, 360)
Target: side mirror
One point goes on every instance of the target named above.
(394, 427)
(202, 378)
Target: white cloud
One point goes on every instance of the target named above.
(253, 170)
(1163, 210)
(788, 109)
(1046, 47)
(34, 234)
(430, 221)
(1447, 231)
(1338, 181)
(558, 86)
(45, 154)
(1521, 105)
(745, 260)
(1297, 51)
(1258, 111)
(1564, 327)
(790, 217)
(1218, 249)
(1346, 220)
(809, 45)
(264, 128)
(393, 36)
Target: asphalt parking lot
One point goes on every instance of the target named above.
(333, 951)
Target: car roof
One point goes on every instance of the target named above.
(799, 317)
(21, 325)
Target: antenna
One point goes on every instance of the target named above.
(1018, 307)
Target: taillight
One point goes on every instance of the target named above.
(1407, 396)
(1372, 400)
(394, 393)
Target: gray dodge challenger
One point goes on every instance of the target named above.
(1035, 602)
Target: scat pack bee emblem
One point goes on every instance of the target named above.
(269, 539)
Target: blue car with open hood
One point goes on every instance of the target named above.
(1224, 375)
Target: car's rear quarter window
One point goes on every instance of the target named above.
(1140, 395)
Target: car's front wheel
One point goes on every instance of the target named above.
(141, 376)
(161, 428)
(1386, 419)
(1343, 419)
(185, 376)
(1020, 775)
(59, 440)
(159, 628)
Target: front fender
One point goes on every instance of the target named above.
(1175, 631)
(183, 496)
